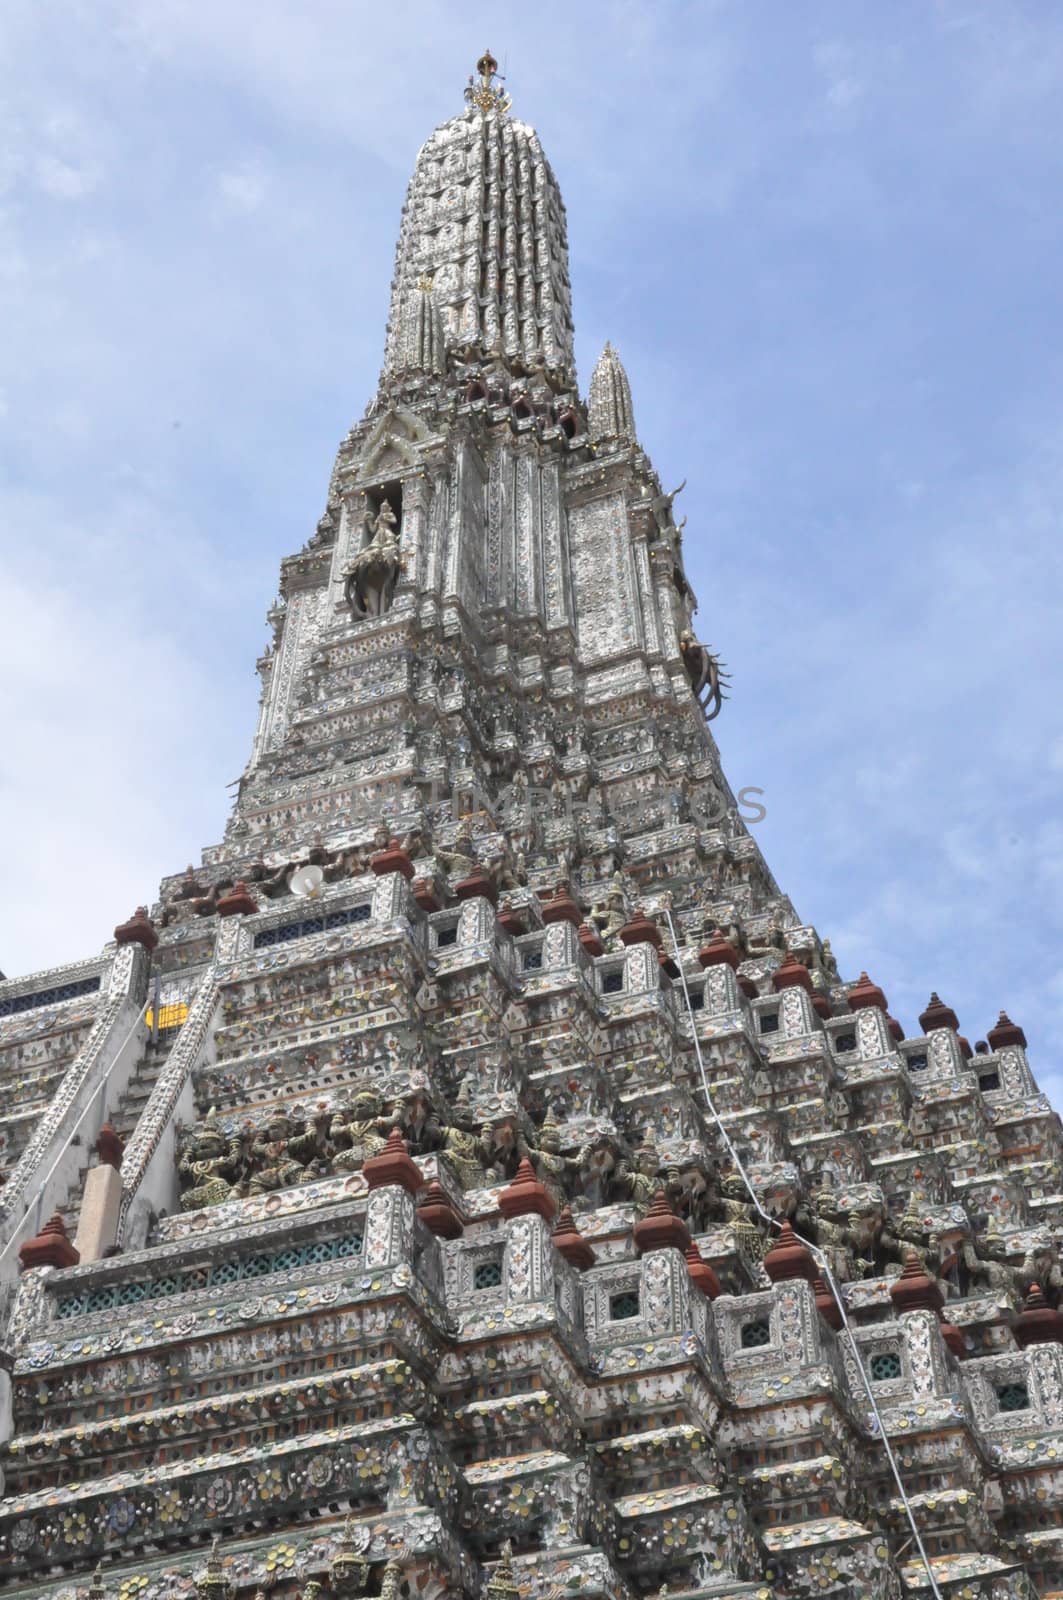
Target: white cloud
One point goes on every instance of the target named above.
(243, 188)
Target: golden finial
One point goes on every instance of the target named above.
(485, 94)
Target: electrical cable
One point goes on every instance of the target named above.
(817, 1255)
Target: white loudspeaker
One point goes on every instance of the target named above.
(306, 882)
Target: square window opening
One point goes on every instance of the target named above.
(1013, 1397)
(885, 1366)
(624, 1306)
(446, 936)
(769, 1022)
(844, 1042)
(613, 983)
(755, 1334)
(487, 1275)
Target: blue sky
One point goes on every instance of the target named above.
(826, 241)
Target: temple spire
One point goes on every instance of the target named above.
(611, 418)
(486, 94)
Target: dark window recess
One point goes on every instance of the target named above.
(446, 936)
(488, 1275)
(48, 997)
(622, 1307)
(755, 1334)
(216, 1276)
(697, 999)
(917, 1063)
(988, 1081)
(1013, 1397)
(533, 960)
(322, 924)
(844, 1042)
(885, 1366)
(613, 983)
(769, 1022)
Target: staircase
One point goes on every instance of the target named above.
(123, 1118)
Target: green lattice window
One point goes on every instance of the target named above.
(885, 1366)
(1013, 1397)
(219, 1275)
(755, 1334)
(624, 1306)
(487, 1275)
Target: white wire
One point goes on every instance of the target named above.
(820, 1260)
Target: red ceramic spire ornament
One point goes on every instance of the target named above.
(393, 1165)
(571, 1243)
(660, 1228)
(1005, 1032)
(526, 1196)
(937, 1015)
(789, 1258)
(865, 993)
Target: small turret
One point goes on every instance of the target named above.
(423, 342)
(611, 419)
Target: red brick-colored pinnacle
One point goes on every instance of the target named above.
(719, 952)
(110, 1147)
(895, 1030)
(424, 892)
(526, 1196)
(1037, 1323)
(937, 1015)
(953, 1338)
(1004, 1032)
(437, 1213)
(138, 930)
(826, 1304)
(50, 1248)
(237, 902)
(789, 1258)
(393, 859)
(561, 907)
(588, 938)
(821, 1005)
(571, 1243)
(865, 993)
(477, 886)
(701, 1272)
(913, 1290)
(393, 1166)
(793, 974)
(660, 1228)
(512, 919)
(641, 930)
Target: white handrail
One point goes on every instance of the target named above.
(820, 1260)
(38, 1197)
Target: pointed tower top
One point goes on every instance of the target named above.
(485, 94)
(483, 176)
(611, 417)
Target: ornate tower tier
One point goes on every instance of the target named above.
(472, 1178)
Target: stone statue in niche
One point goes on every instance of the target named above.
(369, 580)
